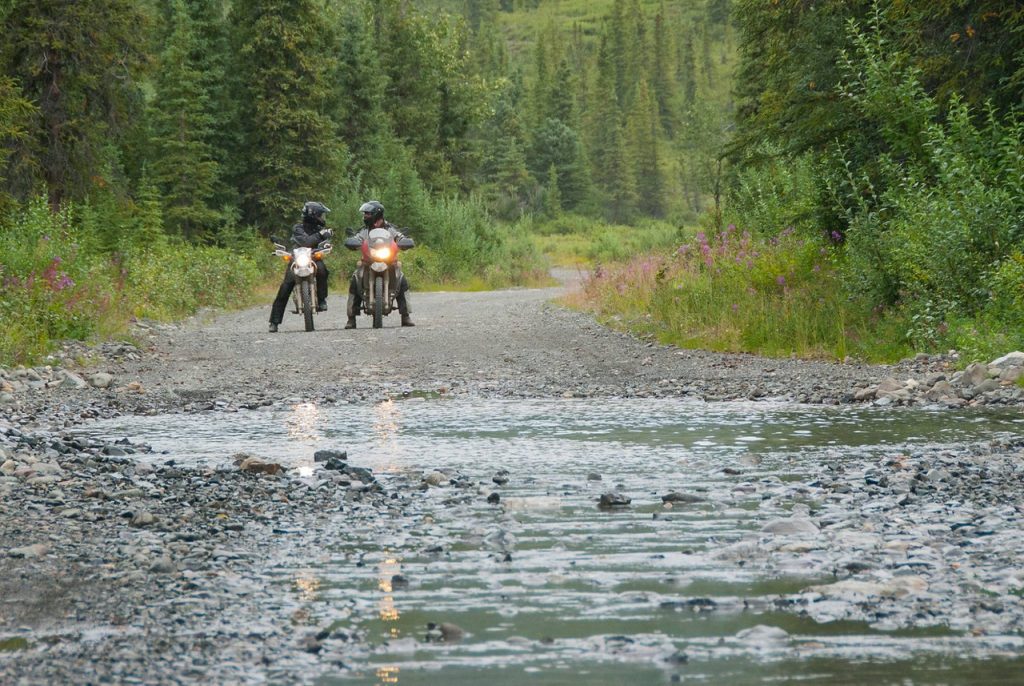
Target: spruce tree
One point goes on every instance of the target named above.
(15, 123)
(362, 82)
(183, 166)
(661, 73)
(284, 61)
(80, 63)
(642, 129)
(552, 196)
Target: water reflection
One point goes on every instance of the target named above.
(388, 612)
(308, 584)
(303, 423)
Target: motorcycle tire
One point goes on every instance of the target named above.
(378, 302)
(306, 296)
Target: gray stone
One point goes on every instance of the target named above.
(436, 478)
(1014, 359)
(941, 390)
(681, 498)
(791, 526)
(974, 375)
(29, 552)
(101, 380)
(141, 519)
(609, 500)
(74, 381)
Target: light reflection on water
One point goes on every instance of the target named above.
(544, 583)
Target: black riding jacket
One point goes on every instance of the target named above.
(307, 234)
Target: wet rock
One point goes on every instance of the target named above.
(257, 465)
(29, 552)
(763, 633)
(494, 498)
(399, 581)
(613, 501)
(501, 477)
(676, 497)
(142, 519)
(593, 476)
(436, 479)
(162, 565)
(790, 527)
(330, 456)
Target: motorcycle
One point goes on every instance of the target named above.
(378, 285)
(302, 262)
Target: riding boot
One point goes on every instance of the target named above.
(351, 323)
(403, 304)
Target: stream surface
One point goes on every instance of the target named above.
(550, 589)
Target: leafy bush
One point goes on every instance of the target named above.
(58, 279)
(739, 291)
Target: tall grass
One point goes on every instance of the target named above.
(55, 283)
(735, 291)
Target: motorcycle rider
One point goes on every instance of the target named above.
(373, 218)
(308, 233)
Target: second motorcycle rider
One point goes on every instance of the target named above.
(373, 218)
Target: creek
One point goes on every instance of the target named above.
(548, 588)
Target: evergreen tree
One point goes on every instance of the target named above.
(688, 70)
(15, 123)
(642, 126)
(79, 63)
(661, 76)
(284, 51)
(552, 196)
(620, 182)
(557, 146)
(184, 168)
(360, 77)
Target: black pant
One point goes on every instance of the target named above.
(285, 291)
(356, 300)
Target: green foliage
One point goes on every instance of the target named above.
(575, 240)
(59, 281)
(184, 164)
(736, 291)
(93, 52)
(282, 77)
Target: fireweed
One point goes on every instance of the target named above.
(55, 284)
(734, 291)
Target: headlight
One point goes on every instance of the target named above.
(302, 260)
(381, 253)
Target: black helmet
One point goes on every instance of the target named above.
(372, 211)
(315, 212)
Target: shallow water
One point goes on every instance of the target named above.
(550, 589)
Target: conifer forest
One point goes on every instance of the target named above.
(861, 161)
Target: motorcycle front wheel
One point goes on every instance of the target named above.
(306, 296)
(378, 302)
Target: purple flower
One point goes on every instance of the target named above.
(781, 280)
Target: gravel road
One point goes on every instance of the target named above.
(496, 343)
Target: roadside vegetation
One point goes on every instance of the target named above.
(830, 179)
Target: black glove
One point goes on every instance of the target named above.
(326, 233)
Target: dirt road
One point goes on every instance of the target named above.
(497, 343)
